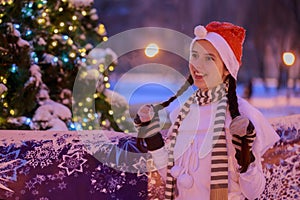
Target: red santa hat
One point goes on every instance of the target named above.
(228, 39)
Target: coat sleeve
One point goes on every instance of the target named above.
(160, 159)
(160, 156)
(252, 182)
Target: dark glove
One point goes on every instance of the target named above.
(147, 125)
(243, 136)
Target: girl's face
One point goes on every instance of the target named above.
(206, 65)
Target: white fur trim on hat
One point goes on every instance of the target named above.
(221, 46)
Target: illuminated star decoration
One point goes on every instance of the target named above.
(9, 164)
(72, 163)
(143, 166)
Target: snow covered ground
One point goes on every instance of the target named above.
(270, 101)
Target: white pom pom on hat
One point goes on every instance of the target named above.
(200, 31)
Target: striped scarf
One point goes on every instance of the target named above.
(219, 161)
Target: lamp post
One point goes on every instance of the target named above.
(288, 59)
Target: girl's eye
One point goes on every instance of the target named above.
(194, 55)
(209, 58)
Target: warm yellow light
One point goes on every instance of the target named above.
(105, 39)
(90, 128)
(72, 55)
(0, 21)
(95, 95)
(288, 58)
(40, 5)
(62, 24)
(103, 123)
(118, 121)
(55, 31)
(101, 29)
(83, 54)
(105, 78)
(82, 50)
(44, 14)
(60, 9)
(123, 118)
(94, 61)
(80, 104)
(84, 13)
(70, 41)
(107, 85)
(54, 43)
(3, 96)
(111, 68)
(12, 112)
(41, 21)
(75, 119)
(85, 110)
(88, 99)
(71, 28)
(4, 80)
(151, 50)
(101, 70)
(110, 112)
(74, 17)
(5, 104)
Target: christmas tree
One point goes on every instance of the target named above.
(44, 46)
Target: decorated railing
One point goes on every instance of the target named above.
(107, 165)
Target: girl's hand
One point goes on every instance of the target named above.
(243, 136)
(147, 125)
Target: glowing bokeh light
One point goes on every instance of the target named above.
(151, 50)
(288, 58)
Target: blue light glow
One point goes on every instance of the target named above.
(29, 32)
(27, 121)
(66, 59)
(17, 26)
(55, 59)
(65, 37)
(14, 68)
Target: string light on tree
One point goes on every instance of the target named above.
(111, 68)
(70, 41)
(101, 29)
(54, 43)
(57, 26)
(84, 13)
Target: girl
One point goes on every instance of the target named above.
(216, 141)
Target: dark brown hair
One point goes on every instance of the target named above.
(243, 156)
